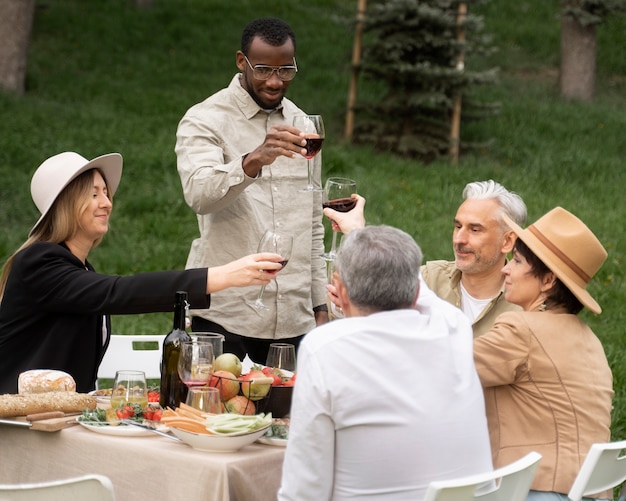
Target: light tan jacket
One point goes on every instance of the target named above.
(444, 278)
(548, 388)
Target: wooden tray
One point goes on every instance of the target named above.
(45, 421)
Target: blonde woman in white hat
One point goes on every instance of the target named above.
(548, 386)
(54, 309)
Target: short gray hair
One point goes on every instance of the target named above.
(379, 267)
(511, 203)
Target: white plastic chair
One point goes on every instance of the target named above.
(88, 487)
(509, 483)
(603, 469)
(132, 352)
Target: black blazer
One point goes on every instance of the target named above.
(55, 311)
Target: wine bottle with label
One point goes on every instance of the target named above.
(173, 390)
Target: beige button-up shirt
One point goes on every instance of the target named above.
(444, 279)
(234, 210)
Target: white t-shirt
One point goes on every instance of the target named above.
(384, 404)
(471, 306)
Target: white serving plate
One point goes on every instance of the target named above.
(218, 443)
(279, 442)
(102, 401)
(121, 430)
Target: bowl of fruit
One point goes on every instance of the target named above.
(278, 402)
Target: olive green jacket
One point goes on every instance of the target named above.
(444, 279)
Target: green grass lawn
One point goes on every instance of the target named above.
(105, 77)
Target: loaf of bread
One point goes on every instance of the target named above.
(12, 405)
(44, 380)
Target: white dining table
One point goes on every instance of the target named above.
(146, 467)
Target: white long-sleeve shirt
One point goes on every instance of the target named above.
(383, 405)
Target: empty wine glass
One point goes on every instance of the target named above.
(281, 356)
(195, 363)
(280, 244)
(337, 196)
(216, 340)
(313, 128)
(205, 399)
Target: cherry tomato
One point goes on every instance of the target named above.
(125, 412)
(153, 396)
(152, 412)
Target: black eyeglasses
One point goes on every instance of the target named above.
(264, 72)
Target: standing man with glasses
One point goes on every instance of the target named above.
(241, 166)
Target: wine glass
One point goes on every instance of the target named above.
(278, 243)
(205, 399)
(195, 363)
(216, 340)
(282, 356)
(313, 128)
(129, 387)
(337, 196)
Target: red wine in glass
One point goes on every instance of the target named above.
(337, 195)
(313, 146)
(341, 204)
(283, 263)
(313, 128)
(277, 243)
(195, 383)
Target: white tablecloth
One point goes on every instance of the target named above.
(150, 467)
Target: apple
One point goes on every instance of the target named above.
(240, 405)
(255, 385)
(226, 382)
(228, 362)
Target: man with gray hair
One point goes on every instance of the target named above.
(388, 398)
(481, 241)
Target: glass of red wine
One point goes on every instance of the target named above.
(337, 196)
(313, 128)
(195, 363)
(277, 243)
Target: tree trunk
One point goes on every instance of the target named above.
(16, 21)
(578, 60)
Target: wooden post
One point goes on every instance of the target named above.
(356, 62)
(455, 128)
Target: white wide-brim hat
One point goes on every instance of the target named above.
(58, 171)
(568, 248)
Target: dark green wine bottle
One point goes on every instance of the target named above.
(173, 390)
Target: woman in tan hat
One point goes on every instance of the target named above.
(54, 309)
(548, 385)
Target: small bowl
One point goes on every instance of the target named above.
(278, 401)
(218, 443)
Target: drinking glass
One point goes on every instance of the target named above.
(129, 387)
(335, 311)
(205, 399)
(313, 128)
(337, 195)
(278, 243)
(195, 363)
(282, 356)
(216, 340)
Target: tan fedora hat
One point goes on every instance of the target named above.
(52, 176)
(568, 248)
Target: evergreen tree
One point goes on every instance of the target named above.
(412, 50)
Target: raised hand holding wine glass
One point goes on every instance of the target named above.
(313, 128)
(338, 196)
(278, 243)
